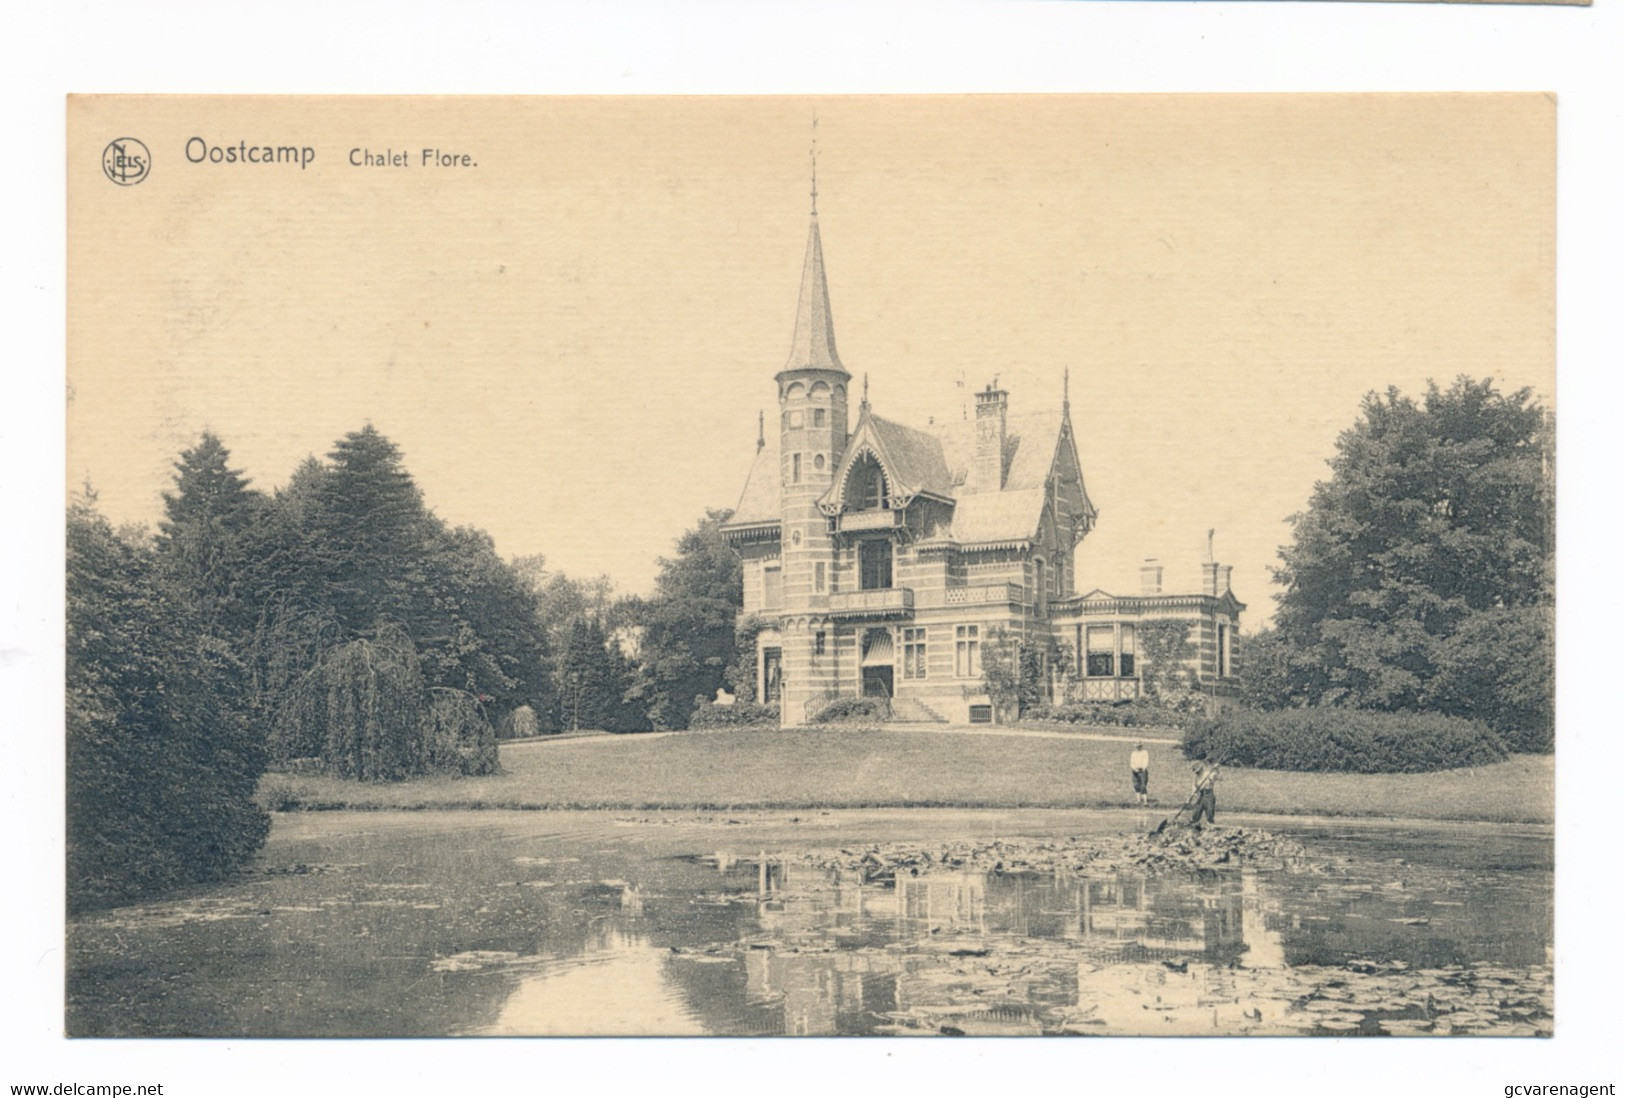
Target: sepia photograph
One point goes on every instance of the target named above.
(773, 566)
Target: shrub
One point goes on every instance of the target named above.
(1326, 738)
(847, 710)
(1126, 714)
(457, 739)
(162, 760)
(519, 724)
(741, 714)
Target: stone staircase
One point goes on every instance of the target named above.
(911, 713)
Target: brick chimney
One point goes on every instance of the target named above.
(1215, 578)
(986, 473)
(1151, 577)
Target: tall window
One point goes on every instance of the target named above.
(866, 485)
(1125, 653)
(818, 643)
(1099, 648)
(818, 417)
(874, 561)
(795, 468)
(772, 587)
(818, 577)
(1224, 651)
(967, 651)
(914, 653)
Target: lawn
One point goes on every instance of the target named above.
(843, 768)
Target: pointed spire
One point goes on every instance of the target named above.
(815, 164)
(761, 429)
(813, 345)
(1066, 389)
(865, 403)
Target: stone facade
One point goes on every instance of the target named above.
(881, 559)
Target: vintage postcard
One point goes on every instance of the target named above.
(919, 565)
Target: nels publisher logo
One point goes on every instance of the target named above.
(126, 161)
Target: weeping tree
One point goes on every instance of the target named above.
(365, 710)
(457, 736)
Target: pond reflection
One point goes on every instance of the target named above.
(733, 943)
(429, 924)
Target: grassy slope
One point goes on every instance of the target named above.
(843, 768)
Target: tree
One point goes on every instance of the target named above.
(1001, 672)
(203, 540)
(371, 534)
(162, 761)
(1437, 514)
(594, 681)
(688, 627)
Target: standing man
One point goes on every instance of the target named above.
(1202, 778)
(1139, 768)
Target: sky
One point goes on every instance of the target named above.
(571, 338)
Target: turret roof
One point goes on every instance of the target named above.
(813, 345)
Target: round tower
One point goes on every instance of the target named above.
(812, 435)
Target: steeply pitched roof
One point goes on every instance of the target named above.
(1010, 515)
(915, 457)
(813, 345)
(759, 502)
(1029, 447)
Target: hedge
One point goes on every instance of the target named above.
(741, 714)
(845, 710)
(1127, 714)
(1361, 741)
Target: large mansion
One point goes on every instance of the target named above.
(880, 559)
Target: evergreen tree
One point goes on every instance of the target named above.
(202, 540)
(371, 534)
(593, 681)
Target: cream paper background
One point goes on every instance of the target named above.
(575, 336)
(954, 47)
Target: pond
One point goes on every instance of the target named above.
(531, 923)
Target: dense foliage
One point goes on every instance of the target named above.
(596, 682)
(1126, 714)
(1420, 577)
(162, 758)
(850, 710)
(741, 714)
(1166, 650)
(1333, 738)
(688, 641)
(1015, 670)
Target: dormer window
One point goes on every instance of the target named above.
(866, 485)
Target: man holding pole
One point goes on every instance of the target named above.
(1202, 778)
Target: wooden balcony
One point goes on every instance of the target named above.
(886, 602)
(854, 521)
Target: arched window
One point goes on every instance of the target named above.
(866, 485)
(796, 391)
(820, 390)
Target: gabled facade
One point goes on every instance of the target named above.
(880, 558)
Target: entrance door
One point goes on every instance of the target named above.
(772, 674)
(877, 682)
